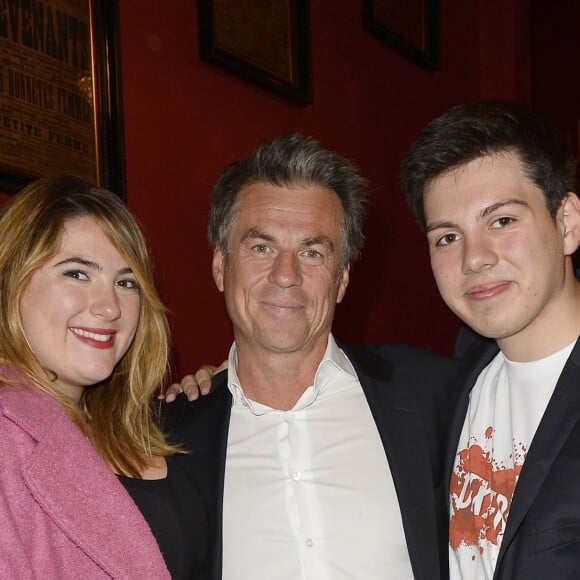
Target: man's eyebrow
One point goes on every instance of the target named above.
(495, 206)
(319, 241)
(255, 234)
(442, 224)
(482, 214)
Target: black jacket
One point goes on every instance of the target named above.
(542, 534)
(411, 398)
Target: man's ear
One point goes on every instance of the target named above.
(343, 283)
(569, 218)
(218, 265)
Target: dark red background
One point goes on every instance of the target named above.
(185, 120)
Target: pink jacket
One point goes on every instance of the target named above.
(63, 514)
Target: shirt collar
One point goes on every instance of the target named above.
(334, 361)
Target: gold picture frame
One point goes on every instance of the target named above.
(60, 99)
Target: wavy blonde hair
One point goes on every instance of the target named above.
(118, 411)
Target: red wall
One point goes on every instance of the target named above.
(555, 53)
(185, 120)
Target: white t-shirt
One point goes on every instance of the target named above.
(505, 408)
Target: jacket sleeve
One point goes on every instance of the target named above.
(14, 560)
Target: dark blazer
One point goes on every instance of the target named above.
(410, 396)
(542, 534)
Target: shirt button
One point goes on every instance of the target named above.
(289, 416)
(297, 476)
(309, 543)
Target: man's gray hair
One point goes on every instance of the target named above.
(287, 161)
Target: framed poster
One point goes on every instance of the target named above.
(262, 41)
(411, 26)
(60, 101)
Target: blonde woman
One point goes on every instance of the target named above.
(88, 487)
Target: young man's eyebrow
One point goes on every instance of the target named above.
(442, 224)
(495, 206)
(482, 214)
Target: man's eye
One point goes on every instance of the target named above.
(260, 248)
(447, 239)
(502, 222)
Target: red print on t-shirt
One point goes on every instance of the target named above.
(481, 493)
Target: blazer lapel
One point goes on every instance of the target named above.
(222, 408)
(559, 419)
(474, 361)
(399, 426)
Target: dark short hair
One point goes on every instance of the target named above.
(286, 161)
(467, 132)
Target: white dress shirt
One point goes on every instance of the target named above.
(308, 492)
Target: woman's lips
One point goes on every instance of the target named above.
(96, 337)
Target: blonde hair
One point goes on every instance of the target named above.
(118, 410)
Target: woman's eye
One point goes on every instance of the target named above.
(76, 274)
(129, 283)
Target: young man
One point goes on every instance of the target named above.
(493, 187)
(316, 460)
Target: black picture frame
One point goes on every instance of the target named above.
(107, 106)
(410, 26)
(231, 34)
